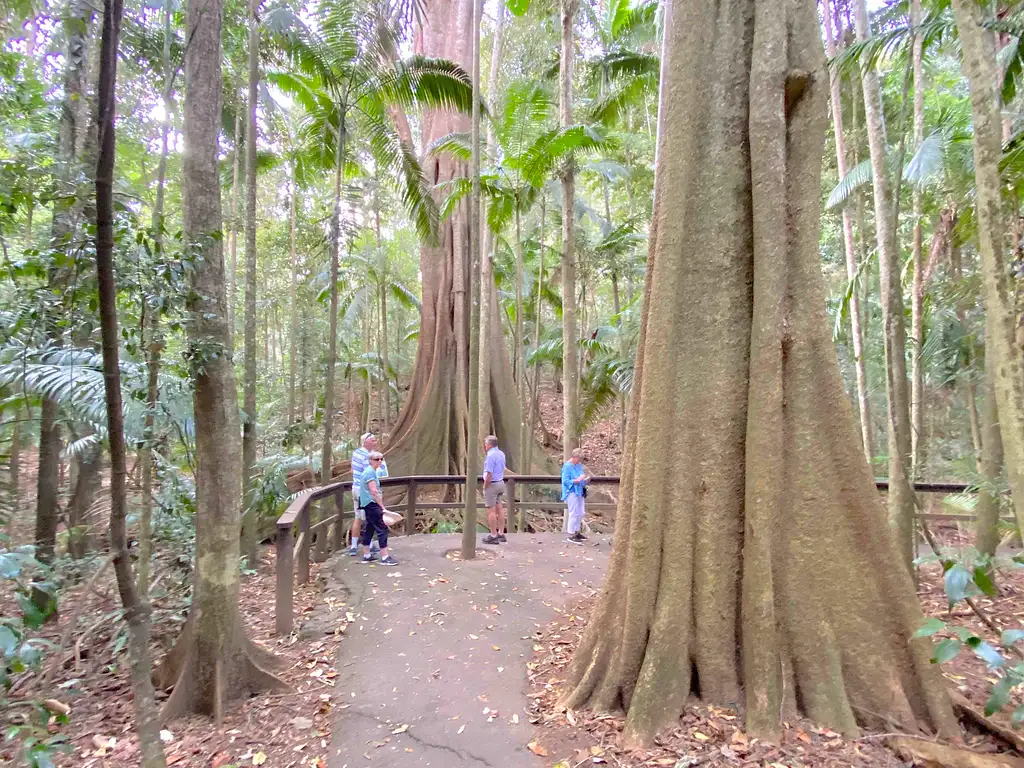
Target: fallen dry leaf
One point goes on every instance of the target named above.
(259, 758)
(537, 749)
(401, 729)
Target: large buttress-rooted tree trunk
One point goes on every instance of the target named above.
(249, 384)
(762, 574)
(570, 367)
(1003, 349)
(212, 660)
(901, 495)
(856, 334)
(429, 436)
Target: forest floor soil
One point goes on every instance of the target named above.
(714, 736)
(90, 675)
(433, 668)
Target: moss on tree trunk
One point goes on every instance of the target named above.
(752, 564)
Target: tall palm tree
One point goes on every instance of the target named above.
(344, 78)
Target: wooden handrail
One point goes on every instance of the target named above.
(294, 550)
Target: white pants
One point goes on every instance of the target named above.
(575, 517)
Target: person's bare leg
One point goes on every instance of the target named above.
(500, 513)
(492, 520)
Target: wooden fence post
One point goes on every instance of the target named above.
(410, 508)
(338, 542)
(285, 580)
(510, 505)
(307, 544)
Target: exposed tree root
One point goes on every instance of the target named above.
(931, 754)
(970, 714)
(206, 678)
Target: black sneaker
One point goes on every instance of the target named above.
(575, 538)
(502, 539)
(370, 558)
(581, 537)
(389, 560)
(492, 540)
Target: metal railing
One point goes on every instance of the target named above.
(295, 529)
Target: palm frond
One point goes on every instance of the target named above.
(854, 179)
(455, 144)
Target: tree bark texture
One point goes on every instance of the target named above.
(900, 497)
(570, 364)
(212, 660)
(249, 521)
(987, 524)
(1003, 349)
(87, 482)
(469, 517)
(850, 247)
(762, 573)
(136, 607)
(233, 224)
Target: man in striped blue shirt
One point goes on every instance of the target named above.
(360, 461)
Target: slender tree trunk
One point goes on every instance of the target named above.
(76, 31)
(332, 337)
(856, 333)
(710, 588)
(386, 382)
(250, 513)
(570, 369)
(469, 517)
(213, 660)
(48, 483)
(292, 302)
(531, 416)
(987, 524)
(87, 482)
(153, 338)
(233, 224)
(900, 498)
(519, 343)
(136, 606)
(1004, 355)
(917, 290)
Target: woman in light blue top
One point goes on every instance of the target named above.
(574, 483)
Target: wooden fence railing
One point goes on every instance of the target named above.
(295, 528)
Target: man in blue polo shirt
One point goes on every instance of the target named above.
(494, 490)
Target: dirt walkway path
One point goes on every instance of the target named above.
(433, 666)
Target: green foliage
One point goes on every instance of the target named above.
(35, 592)
(968, 575)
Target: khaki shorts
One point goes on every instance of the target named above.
(493, 493)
